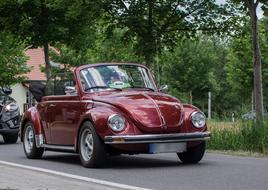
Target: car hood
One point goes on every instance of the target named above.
(150, 111)
(4, 99)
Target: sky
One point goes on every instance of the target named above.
(259, 11)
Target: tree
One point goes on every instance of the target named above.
(251, 6)
(45, 22)
(106, 48)
(239, 67)
(189, 70)
(12, 60)
(158, 24)
(239, 70)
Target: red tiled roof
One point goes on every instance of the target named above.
(36, 58)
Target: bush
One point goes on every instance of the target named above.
(239, 136)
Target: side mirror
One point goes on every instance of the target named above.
(70, 90)
(163, 88)
(7, 91)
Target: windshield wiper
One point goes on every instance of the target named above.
(143, 87)
(94, 87)
(101, 87)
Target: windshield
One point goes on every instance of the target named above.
(115, 77)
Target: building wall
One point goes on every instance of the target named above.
(19, 94)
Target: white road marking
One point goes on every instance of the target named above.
(77, 177)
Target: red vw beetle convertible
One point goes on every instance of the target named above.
(111, 109)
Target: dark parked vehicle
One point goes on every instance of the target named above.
(9, 117)
(111, 109)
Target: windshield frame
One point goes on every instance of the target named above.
(79, 69)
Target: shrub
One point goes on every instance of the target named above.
(244, 136)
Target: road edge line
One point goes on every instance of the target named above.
(76, 177)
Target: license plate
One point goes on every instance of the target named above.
(167, 147)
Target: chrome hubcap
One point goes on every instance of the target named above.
(28, 139)
(86, 144)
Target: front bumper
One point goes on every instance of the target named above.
(10, 126)
(157, 138)
(5, 129)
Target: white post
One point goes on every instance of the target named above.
(209, 105)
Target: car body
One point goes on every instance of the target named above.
(113, 108)
(9, 118)
(251, 115)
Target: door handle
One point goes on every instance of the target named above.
(52, 105)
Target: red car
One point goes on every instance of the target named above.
(111, 109)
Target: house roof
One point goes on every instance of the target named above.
(36, 58)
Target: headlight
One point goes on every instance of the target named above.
(116, 122)
(198, 119)
(11, 107)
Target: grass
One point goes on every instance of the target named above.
(239, 153)
(238, 136)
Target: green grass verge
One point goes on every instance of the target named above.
(238, 137)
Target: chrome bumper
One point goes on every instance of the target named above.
(157, 138)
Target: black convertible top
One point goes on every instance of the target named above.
(38, 89)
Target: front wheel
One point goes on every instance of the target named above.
(92, 150)
(193, 155)
(30, 149)
(10, 138)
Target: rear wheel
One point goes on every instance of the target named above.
(10, 138)
(30, 149)
(92, 150)
(193, 155)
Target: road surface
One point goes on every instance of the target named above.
(160, 171)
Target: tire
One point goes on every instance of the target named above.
(193, 155)
(10, 138)
(92, 150)
(29, 146)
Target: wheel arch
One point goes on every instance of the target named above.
(31, 115)
(97, 116)
(188, 126)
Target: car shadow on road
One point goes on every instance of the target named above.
(127, 162)
(63, 158)
(137, 162)
(122, 162)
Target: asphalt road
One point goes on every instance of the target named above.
(15, 178)
(160, 171)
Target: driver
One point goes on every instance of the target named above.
(114, 78)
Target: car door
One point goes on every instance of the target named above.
(62, 110)
(65, 114)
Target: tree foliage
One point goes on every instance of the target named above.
(12, 60)
(251, 8)
(239, 67)
(106, 48)
(158, 24)
(45, 22)
(188, 70)
(180, 40)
